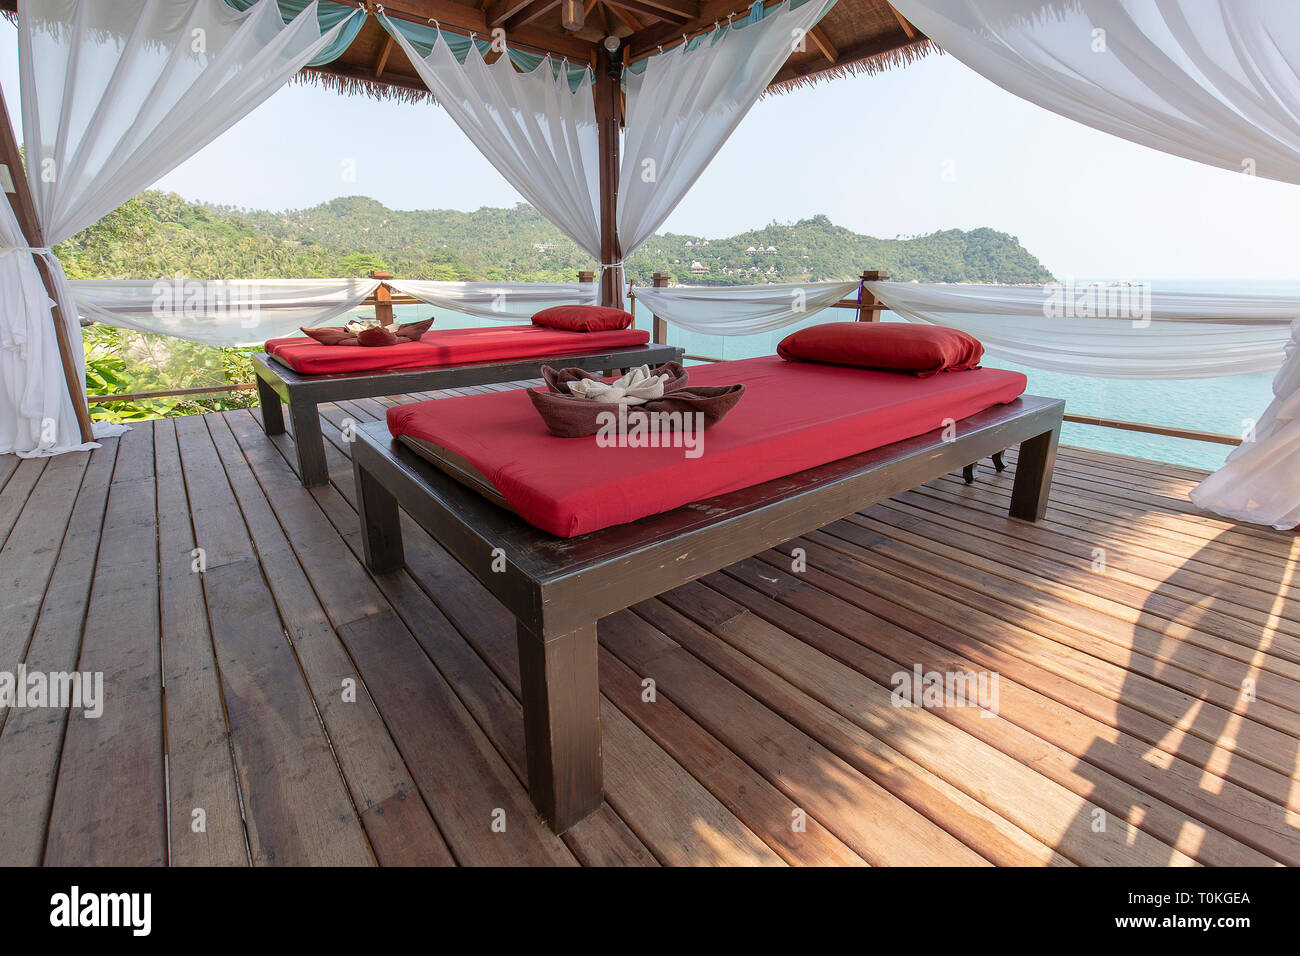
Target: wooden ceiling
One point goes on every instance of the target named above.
(855, 36)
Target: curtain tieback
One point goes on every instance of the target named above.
(30, 250)
(612, 265)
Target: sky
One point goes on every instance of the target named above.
(907, 151)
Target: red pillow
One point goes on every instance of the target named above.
(921, 350)
(583, 318)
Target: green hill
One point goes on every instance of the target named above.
(159, 234)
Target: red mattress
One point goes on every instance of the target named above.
(499, 343)
(795, 415)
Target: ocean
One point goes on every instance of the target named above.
(1224, 405)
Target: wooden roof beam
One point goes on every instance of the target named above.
(499, 11)
(910, 30)
(383, 57)
(629, 20)
(680, 11)
(823, 43)
(530, 13)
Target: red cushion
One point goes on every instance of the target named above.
(497, 343)
(583, 318)
(795, 415)
(893, 346)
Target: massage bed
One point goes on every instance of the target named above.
(303, 373)
(564, 532)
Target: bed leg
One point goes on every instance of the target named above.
(272, 412)
(998, 463)
(1033, 481)
(561, 699)
(381, 525)
(968, 474)
(307, 438)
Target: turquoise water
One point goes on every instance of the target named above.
(1223, 405)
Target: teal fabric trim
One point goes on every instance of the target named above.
(756, 13)
(328, 16)
(423, 36)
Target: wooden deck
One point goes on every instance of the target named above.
(285, 707)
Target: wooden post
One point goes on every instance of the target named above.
(24, 207)
(608, 121)
(586, 276)
(383, 299)
(660, 280)
(869, 306)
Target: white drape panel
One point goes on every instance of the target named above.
(742, 309)
(36, 417)
(537, 132)
(229, 312)
(514, 302)
(1216, 81)
(1260, 481)
(114, 96)
(1176, 335)
(686, 104)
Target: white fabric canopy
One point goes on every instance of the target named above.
(536, 131)
(688, 101)
(1120, 332)
(114, 96)
(515, 302)
(223, 312)
(741, 309)
(1217, 81)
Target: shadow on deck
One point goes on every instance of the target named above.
(285, 706)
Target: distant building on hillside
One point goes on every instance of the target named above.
(699, 269)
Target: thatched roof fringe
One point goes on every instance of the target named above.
(375, 89)
(900, 56)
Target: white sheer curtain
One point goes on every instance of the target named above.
(1260, 481)
(744, 309)
(35, 412)
(515, 302)
(1217, 81)
(115, 95)
(688, 101)
(223, 312)
(1108, 332)
(533, 128)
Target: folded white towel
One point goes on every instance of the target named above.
(635, 388)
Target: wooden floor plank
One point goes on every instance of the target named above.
(206, 820)
(372, 766)
(296, 806)
(31, 742)
(109, 800)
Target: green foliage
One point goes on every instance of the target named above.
(157, 235)
(122, 361)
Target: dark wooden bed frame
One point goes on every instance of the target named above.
(278, 383)
(558, 588)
